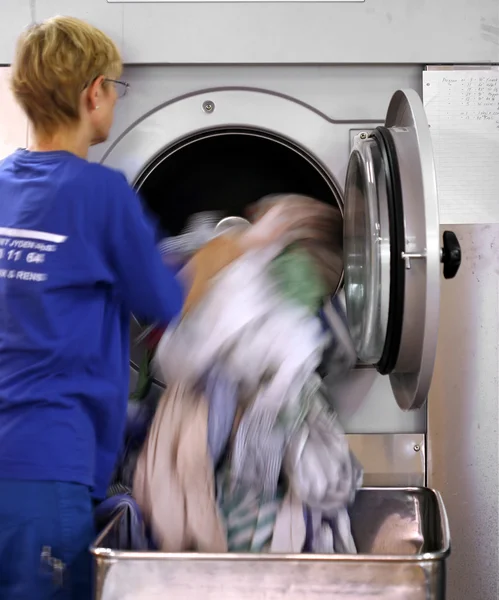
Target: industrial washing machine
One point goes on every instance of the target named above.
(230, 101)
(226, 147)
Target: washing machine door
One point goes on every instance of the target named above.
(393, 252)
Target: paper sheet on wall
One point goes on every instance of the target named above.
(463, 113)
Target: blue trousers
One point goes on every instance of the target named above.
(46, 528)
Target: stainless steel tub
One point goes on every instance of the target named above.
(402, 536)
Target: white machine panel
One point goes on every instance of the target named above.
(197, 1)
(374, 31)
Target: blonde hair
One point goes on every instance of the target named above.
(55, 60)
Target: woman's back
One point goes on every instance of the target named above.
(77, 256)
(63, 317)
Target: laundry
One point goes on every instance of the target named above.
(322, 241)
(297, 275)
(268, 340)
(199, 231)
(244, 443)
(132, 530)
(317, 461)
(244, 320)
(140, 413)
(340, 356)
(325, 475)
(249, 516)
(222, 396)
(289, 535)
(173, 483)
(260, 444)
(263, 436)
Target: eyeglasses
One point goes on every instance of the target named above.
(121, 87)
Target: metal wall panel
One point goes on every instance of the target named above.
(463, 415)
(374, 31)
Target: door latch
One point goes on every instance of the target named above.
(408, 256)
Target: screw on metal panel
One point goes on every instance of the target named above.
(417, 448)
(208, 106)
(363, 136)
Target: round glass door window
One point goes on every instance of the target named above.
(367, 250)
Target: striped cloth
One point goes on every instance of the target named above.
(262, 438)
(340, 356)
(200, 229)
(318, 463)
(249, 517)
(222, 396)
(130, 532)
(264, 432)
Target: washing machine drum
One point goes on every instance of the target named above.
(226, 171)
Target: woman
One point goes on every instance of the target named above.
(77, 255)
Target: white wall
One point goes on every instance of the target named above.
(13, 123)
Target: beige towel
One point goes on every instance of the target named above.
(174, 482)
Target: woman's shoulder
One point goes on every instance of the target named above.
(106, 174)
(59, 168)
(105, 184)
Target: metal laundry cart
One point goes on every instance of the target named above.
(402, 536)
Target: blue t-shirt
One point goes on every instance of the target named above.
(77, 256)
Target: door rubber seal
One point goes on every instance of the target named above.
(393, 338)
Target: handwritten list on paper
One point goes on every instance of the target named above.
(462, 108)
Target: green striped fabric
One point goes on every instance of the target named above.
(249, 518)
(298, 278)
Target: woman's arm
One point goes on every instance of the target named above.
(149, 287)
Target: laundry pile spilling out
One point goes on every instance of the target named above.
(244, 452)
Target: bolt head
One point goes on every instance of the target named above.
(208, 106)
